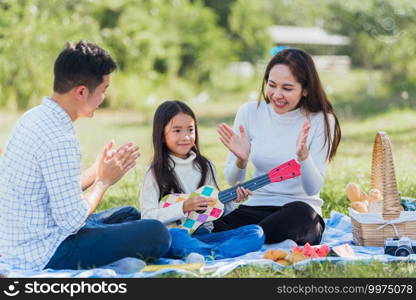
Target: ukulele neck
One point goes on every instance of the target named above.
(252, 185)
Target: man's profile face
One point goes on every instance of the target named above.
(95, 99)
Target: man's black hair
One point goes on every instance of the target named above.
(83, 63)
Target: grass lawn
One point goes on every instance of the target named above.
(352, 164)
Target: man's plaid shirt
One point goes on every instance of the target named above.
(41, 200)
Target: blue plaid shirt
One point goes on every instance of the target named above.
(41, 200)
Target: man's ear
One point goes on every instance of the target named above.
(80, 92)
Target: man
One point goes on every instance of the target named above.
(45, 219)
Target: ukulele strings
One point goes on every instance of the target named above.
(255, 183)
(230, 193)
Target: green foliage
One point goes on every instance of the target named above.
(222, 9)
(31, 35)
(299, 12)
(164, 48)
(182, 48)
(382, 36)
(248, 23)
(173, 38)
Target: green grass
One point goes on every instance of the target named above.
(329, 270)
(352, 164)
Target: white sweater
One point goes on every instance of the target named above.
(188, 176)
(273, 141)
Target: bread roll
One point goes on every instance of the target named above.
(364, 196)
(360, 206)
(282, 262)
(275, 254)
(353, 192)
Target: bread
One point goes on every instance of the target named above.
(275, 254)
(364, 196)
(360, 206)
(295, 257)
(353, 192)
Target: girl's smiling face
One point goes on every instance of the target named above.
(180, 135)
(283, 90)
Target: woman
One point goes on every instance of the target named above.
(293, 120)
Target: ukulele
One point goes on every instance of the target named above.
(215, 210)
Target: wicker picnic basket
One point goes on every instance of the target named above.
(383, 178)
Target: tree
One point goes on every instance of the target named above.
(31, 33)
(382, 36)
(249, 22)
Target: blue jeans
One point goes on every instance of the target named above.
(225, 244)
(109, 236)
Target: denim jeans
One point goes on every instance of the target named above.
(225, 244)
(109, 236)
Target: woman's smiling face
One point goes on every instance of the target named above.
(283, 90)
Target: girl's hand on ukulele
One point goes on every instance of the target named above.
(237, 144)
(302, 151)
(196, 203)
(242, 193)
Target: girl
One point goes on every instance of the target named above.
(294, 120)
(179, 167)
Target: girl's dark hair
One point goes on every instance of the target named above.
(83, 63)
(162, 164)
(303, 69)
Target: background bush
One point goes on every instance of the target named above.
(183, 48)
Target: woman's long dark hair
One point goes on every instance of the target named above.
(162, 164)
(303, 69)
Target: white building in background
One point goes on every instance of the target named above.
(295, 36)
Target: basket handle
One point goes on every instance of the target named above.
(383, 176)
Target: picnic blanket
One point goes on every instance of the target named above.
(337, 232)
